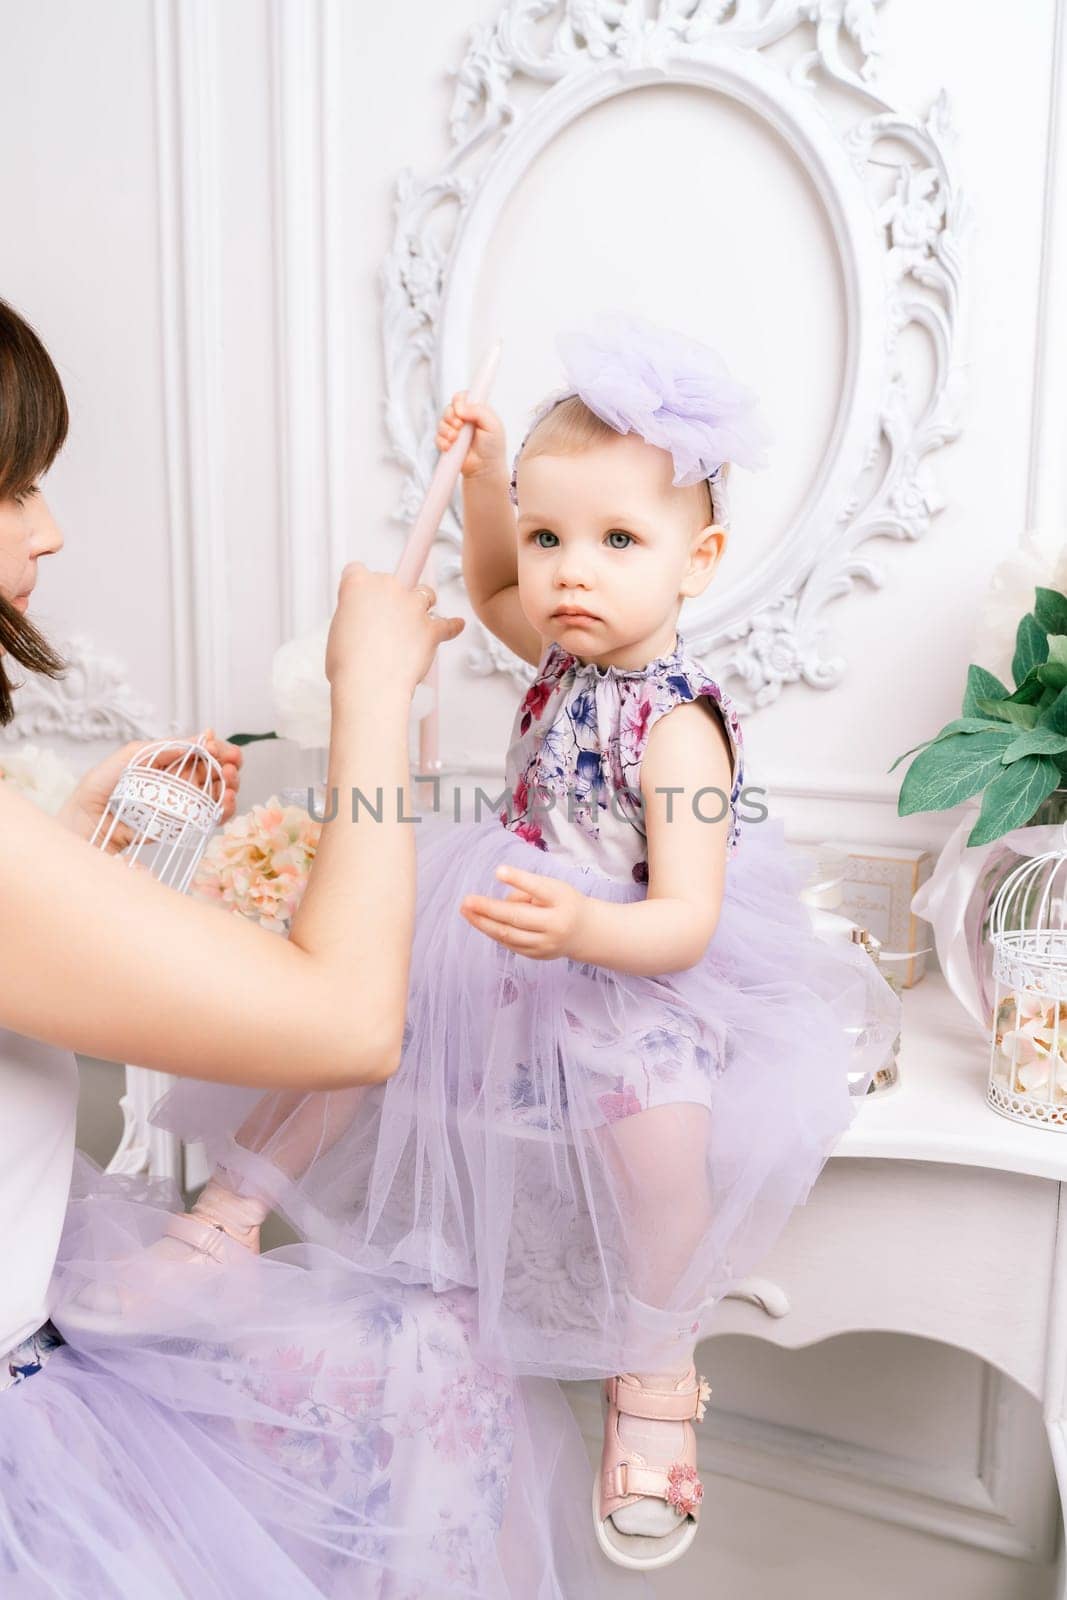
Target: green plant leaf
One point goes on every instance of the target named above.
(1054, 716)
(1053, 674)
(981, 682)
(1009, 711)
(1031, 648)
(961, 725)
(1050, 609)
(1030, 690)
(1013, 797)
(951, 770)
(1036, 742)
(1057, 648)
(250, 738)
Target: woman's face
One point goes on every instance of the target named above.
(27, 531)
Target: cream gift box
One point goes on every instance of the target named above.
(879, 881)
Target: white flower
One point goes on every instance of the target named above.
(302, 692)
(1041, 560)
(39, 774)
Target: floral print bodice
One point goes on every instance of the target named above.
(573, 768)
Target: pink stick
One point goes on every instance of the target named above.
(420, 541)
(429, 727)
(424, 528)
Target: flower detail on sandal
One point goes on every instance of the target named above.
(684, 1489)
(703, 1396)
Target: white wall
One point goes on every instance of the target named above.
(163, 167)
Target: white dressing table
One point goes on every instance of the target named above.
(938, 1218)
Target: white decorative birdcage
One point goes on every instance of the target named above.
(1028, 933)
(164, 809)
(162, 812)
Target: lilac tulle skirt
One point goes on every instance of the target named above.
(598, 1157)
(275, 1428)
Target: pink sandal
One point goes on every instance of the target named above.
(218, 1221)
(127, 1305)
(198, 1240)
(626, 1476)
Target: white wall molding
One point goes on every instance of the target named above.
(900, 257)
(94, 700)
(304, 55)
(190, 264)
(1046, 501)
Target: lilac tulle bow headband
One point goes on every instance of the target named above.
(670, 390)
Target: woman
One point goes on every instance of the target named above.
(182, 1448)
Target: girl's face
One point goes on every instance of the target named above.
(27, 531)
(605, 533)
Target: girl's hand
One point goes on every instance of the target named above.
(86, 805)
(542, 918)
(382, 632)
(486, 454)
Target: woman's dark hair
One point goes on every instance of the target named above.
(33, 426)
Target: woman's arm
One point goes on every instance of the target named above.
(545, 918)
(98, 958)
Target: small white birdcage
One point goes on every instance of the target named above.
(1028, 932)
(164, 809)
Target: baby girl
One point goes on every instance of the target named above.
(626, 1056)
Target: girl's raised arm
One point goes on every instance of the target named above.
(98, 958)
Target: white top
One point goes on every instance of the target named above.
(39, 1099)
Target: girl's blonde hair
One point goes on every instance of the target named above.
(571, 427)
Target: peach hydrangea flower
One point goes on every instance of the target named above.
(258, 864)
(39, 774)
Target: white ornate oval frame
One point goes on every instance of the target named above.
(900, 261)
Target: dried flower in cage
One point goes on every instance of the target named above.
(1030, 1032)
(1036, 1078)
(258, 864)
(1015, 1008)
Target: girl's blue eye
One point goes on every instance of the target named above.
(544, 533)
(619, 533)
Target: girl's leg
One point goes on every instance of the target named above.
(658, 1164)
(290, 1129)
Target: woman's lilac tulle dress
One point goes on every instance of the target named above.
(596, 1157)
(273, 1428)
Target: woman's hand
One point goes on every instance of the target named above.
(86, 805)
(542, 918)
(382, 632)
(487, 453)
